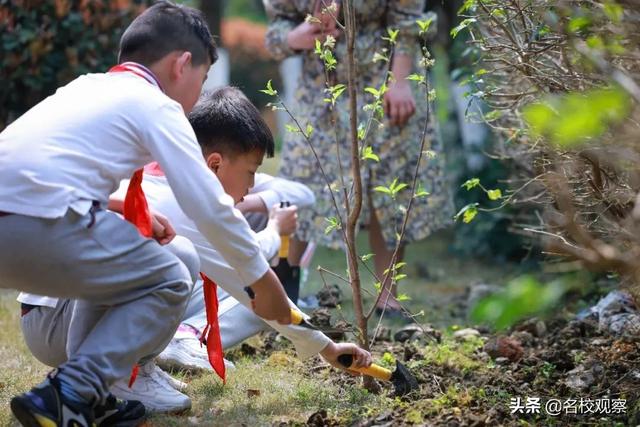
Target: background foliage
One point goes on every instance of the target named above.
(47, 43)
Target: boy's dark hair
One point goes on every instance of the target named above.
(166, 27)
(225, 121)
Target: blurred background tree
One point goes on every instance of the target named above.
(45, 44)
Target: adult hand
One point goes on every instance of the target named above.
(361, 358)
(399, 104)
(304, 36)
(161, 229)
(284, 220)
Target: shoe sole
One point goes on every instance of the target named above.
(24, 413)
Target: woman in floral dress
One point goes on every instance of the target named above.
(396, 141)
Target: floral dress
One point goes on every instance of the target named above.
(397, 147)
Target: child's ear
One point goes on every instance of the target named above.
(214, 160)
(180, 64)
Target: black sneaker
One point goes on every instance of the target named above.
(119, 413)
(45, 406)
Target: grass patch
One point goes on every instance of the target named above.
(454, 354)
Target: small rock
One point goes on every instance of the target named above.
(414, 332)
(599, 342)
(579, 379)
(524, 337)
(504, 347)
(465, 334)
(330, 296)
(502, 360)
(624, 324)
(534, 326)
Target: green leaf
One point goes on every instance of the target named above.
(269, 90)
(467, 5)
(393, 35)
(471, 183)
(494, 194)
(399, 277)
(578, 23)
(468, 213)
(416, 78)
(464, 24)
(420, 191)
(362, 131)
(403, 297)
(382, 189)
(334, 224)
(388, 359)
(613, 11)
(291, 128)
(378, 286)
(309, 131)
(367, 257)
(369, 154)
(377, 57)
(373, 91)
(424, 25)
(523, 297)
(577, 117)
(318, 48)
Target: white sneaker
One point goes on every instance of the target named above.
(186, 352)
(161, 375)
(153, 390)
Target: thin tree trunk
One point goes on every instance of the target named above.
(356, 208)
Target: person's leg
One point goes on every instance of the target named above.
(45, 331)
(139, 289)
(237, 323)
(382, 261)
(86, 314)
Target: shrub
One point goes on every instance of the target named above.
(47, 43)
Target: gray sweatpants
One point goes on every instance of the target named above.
(46, 329)
(131, 292)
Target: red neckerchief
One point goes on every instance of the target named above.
(211, 332)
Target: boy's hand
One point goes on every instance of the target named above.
(270, 300)
(361, 358)
(284, 220)
(161, 228)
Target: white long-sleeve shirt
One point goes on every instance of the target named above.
(274, 190)
(160, 198)
(78, 144)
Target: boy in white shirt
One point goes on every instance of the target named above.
(234, 139)
(58, 164)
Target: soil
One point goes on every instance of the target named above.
(562, 359)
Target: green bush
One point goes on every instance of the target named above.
(47, 43)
